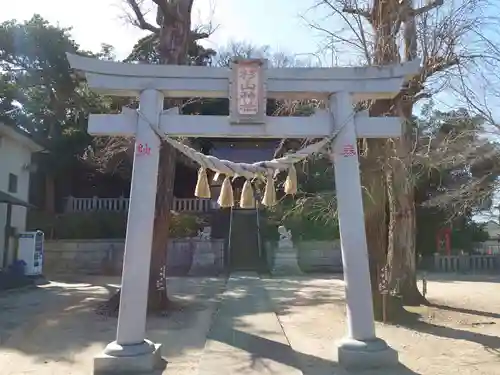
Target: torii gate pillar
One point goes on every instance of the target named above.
(132, 351)
(361, 348)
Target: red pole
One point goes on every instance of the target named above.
(448, 241)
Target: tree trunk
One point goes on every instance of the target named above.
(374, 202)
(174, 18)
(157, 297)
(383, 19)
(402, 256)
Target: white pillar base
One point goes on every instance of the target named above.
(364, 355)
(128, 359)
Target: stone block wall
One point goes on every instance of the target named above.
(105, 257)
(314, 256)
(83, 256)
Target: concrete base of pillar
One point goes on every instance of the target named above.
(128, 359)
(203, 259)
(286, 262)
(363, 355)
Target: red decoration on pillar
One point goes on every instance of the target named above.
(141, 149)
(348, 150)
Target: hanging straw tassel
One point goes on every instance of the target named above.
(247, 199)
(269, 198)
(291, 181)
(226, 198)
(202, 186)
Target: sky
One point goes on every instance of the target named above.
(276, 23)
(104, 21)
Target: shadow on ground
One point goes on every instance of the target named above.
(461, 277)
(260, 348)
(300, 291)
(235, 327)
(54, 322)
(414, 322)
(57, 322)
(461, 310)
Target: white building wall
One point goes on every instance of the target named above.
(13, 156)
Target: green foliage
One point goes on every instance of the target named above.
(40, 93)
(466, 233)
(85, 225)
(456, 167)
(102, 224)
(185, 225)
(147, 50)
(308, 218)
(312, 213)
(456, 174)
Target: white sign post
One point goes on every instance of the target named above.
(341, 87)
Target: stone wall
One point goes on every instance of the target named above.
(83, 256)
(317, 256)
(314, 256)
(105, 257)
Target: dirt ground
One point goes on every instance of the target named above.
(54, 330)
(459, 335)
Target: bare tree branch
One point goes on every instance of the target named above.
(163, 10)
(358, 12)
(427, 8)
(140, 20)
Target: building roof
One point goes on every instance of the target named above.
(244, 151)
(21, 137)
(10, 199)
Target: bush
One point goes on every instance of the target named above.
(101, 224)
(306, 224)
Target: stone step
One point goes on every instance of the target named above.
(246, 336)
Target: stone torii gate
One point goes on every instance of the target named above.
(248, 84)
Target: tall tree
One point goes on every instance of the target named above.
(39, 93)
(388, 32)
(170, 42)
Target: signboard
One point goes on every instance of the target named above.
(247, 92)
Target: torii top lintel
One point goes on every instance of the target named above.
(125, 79)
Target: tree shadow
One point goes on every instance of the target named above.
(58, 323)
(299, 291)
(48, 323)
(461, 277)
(462, 310)
(65, 331)
(241, 324)
(490, 343)
(261, 349)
